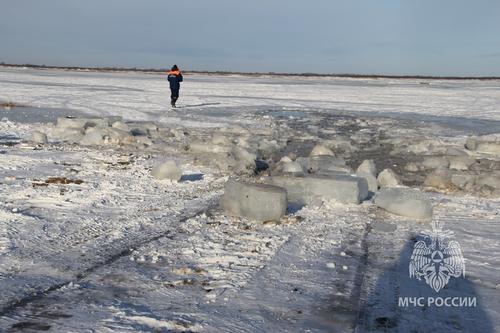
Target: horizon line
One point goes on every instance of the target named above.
(220, 72)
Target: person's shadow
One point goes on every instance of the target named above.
(385, 309)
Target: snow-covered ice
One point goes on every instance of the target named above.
(91, 241)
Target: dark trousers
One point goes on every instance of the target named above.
(174, 95)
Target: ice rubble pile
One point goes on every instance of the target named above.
(265, 173)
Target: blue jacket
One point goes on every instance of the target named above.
(175, 79)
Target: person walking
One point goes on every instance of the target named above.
(174, 78)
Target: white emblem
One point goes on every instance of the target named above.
(437, 259)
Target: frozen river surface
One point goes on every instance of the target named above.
(123, 252)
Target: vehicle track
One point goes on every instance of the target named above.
(116, 250)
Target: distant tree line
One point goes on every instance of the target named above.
(162, 70)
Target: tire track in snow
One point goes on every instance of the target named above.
(119, 249)
(315, 279)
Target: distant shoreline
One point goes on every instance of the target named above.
(254, 74)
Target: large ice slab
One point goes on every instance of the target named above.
(404, 201)
(309, 190)
(259, 202)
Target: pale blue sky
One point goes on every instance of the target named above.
(427, 37)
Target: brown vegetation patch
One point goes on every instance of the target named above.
(8, 105)
(57, 180)
(63, 180)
